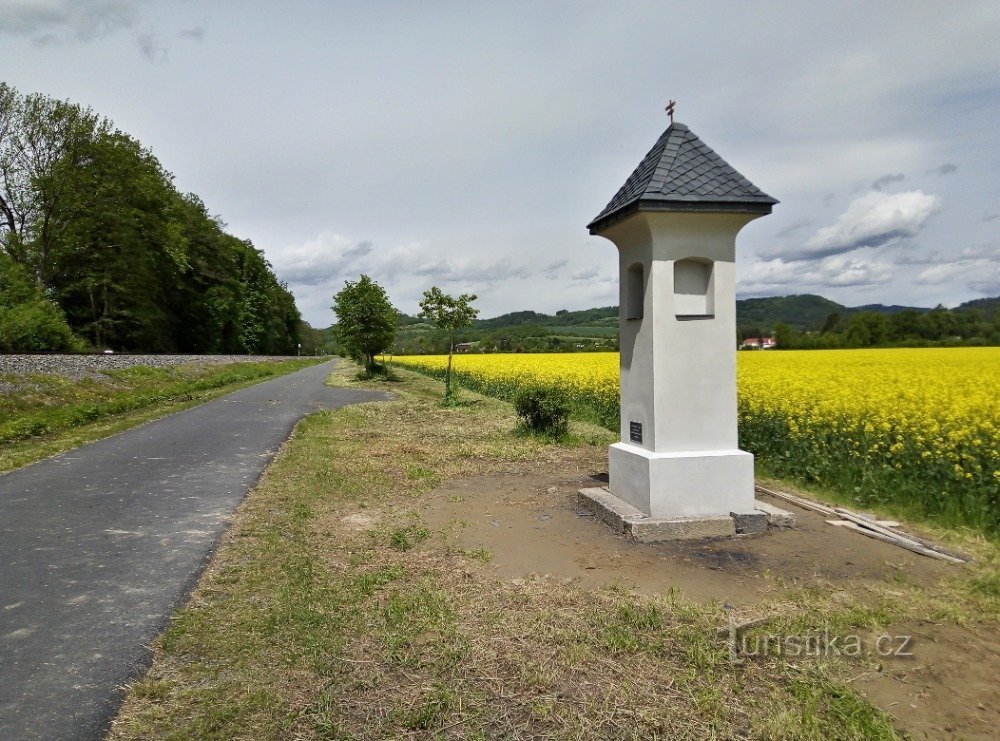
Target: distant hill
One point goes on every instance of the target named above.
(989, 306)
(604, 316)
(800, 311)
(513, 319)
(597, 328)
(804, 311)
(891, 309)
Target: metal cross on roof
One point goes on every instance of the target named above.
(670, 110)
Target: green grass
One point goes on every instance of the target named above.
(308, 626)
(46, 414)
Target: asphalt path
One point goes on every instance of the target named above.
(99, 545)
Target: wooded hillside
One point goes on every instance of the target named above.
(91, 217)
(801, 321)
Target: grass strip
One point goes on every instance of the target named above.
(332, 611)
(46, 414)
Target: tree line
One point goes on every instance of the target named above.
(523, 338)
(937, 327)
(98, 249)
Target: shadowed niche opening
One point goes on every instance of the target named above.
(694, 288)
(635, 291)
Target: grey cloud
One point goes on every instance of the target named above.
(195, 34)
(977, 268)
(885, 180)
(987, 285)
(794, 227)
(989, 252)
(151, 47)
(981, 271)
(991, 217)
(359, 250)
(54, 20)
(489, 273)
(435, 269)
(553, 269)
(837, 271)
(404, 263)
(873, 220)
(938, 274)
(44, 40)
(585, 274)
(352, 140)
(946, 169)
(909, 257)
(303, 276)
(324, 260)
(329, 259)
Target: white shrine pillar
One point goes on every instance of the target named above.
(675, 223)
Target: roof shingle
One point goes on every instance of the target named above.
(682, 173)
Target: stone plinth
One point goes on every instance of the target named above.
(633, 523)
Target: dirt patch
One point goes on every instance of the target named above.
(948, 688)
(360, 521)
(532, 525)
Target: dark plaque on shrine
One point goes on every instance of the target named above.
(635, 432)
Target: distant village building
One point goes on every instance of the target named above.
(464, 346)
(759, 343)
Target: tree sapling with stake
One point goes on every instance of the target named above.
(450, 314)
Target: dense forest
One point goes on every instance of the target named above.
(99, 250)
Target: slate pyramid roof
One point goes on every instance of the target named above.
(682, 173)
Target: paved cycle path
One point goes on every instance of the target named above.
(100, 544)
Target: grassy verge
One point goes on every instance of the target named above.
(331, 610)
(47, 414)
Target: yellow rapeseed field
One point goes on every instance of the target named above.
(918, 427)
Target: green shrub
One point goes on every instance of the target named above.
(543, 410)
(29, 320)
(377, 372)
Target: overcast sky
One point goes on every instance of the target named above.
(468, 144)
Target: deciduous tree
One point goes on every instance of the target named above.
(366, 321)
(95, 220)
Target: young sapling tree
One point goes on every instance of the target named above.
(450, 314)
